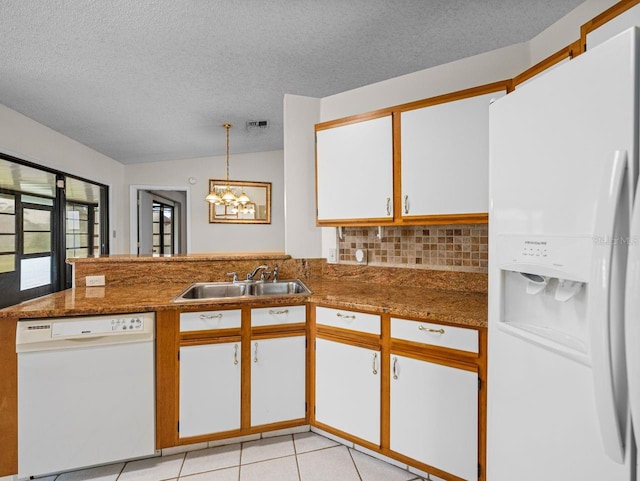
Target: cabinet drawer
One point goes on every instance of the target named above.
(355, 321)
(205, 320)
(435, 334)
(268, 316)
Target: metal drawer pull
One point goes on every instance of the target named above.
(255, 352)
(406, 204)
(388, 205)
(235, 354)
(428, 329)
(211, 316)
(343, 316)
(277, 313)
(375, 358)
(395, 369)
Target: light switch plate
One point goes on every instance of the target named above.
(333, 256)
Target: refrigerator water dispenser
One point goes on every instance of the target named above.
(549, 312)
(544, 292)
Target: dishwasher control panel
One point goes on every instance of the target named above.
(96, 326)
(73, 332)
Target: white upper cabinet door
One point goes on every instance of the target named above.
(348, 389)
(445, 157)
(434, 415)
(209, 388)
(354, 166)
(277, 380)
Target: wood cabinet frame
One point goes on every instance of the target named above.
(169, 339)
(470, 361)
(8, 397)
(398, 218)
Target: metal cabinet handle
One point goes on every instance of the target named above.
(343, 316)
(277, 313)
(211, 316)
(395, 369)
(375, 358)
(388, 205)
(235, 354)
(428, 329)
(255, 352)
(406, 204)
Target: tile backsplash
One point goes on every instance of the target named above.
(439, 247)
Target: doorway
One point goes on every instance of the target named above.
(159, 221)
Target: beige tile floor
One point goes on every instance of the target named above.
(299, 457)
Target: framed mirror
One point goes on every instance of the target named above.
(252, 204)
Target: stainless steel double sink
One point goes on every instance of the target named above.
(202, 291)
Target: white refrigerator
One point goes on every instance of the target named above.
(563, 365)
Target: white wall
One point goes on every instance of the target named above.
(566, 30)
(302, 237)
(209, 238)
(28, 140)
(481, 69)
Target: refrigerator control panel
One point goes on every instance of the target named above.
(535, 248)
(555, 256)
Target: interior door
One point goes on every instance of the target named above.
(145, 222)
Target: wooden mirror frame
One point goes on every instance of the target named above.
(239, 185)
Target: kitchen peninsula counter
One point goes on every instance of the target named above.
(149, 285)
(455, 307)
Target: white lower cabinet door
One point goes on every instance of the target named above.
(434, 415)
(348, 389)
(277, 380)
(209, 388)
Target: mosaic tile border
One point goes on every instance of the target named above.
(444, 247)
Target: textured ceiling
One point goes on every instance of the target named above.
(146, 80)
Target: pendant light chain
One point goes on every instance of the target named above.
(228, 197)
(227, 126)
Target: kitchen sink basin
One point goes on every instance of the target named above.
(213, 290)
(278, 288)
(204, 291)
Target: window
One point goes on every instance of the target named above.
(162, 228)
(7, 233)
(37, 246)
(45, 218)
(82, 232)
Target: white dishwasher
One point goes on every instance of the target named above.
(86, 391)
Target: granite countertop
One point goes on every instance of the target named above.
(456, 307)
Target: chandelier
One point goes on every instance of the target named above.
(228, 196)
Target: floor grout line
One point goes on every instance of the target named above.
(354, 463)
(184, 459)
(285, 438)
(240, 461)
(295, 452)
(121, 471)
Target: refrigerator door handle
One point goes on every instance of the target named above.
(632, 317)
(599, 314)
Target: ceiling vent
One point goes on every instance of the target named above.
(257, 124)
